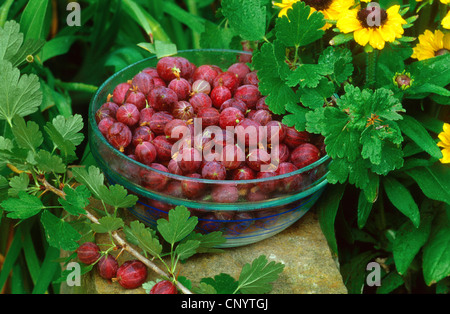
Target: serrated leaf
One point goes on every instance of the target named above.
(76, 199)
(297, 118)
(66, 147)
(257, 277)
(308, 75)
(91, 177)
(316, 97)
(19, 95)
(208, 241)
(47, 162)
(187, 249)
(216, 36)
(70, 128)
(23, 207)
(222, 283)
(178, 226)
(10, 40)
(59, 233)
(18, 183)
(247, 18)
(117, 196)
(26, 134)
(340, 61)
(144, 237)
(300, 27)
(204, 288)
(108, 224)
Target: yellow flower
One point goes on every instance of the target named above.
(444, 142)
(446, 21)
(285, 5)
(431, 45)
(445, 1)
(331, 9)
(368, 29)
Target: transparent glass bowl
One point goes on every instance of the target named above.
(264, 207)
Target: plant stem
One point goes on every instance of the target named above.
(121, 242)
(76, 87)
(371, 68)
(192, 7)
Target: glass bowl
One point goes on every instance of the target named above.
(246, 211)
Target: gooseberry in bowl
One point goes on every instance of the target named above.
(217, 149)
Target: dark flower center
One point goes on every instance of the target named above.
(319, 4)
(441, 52)
(372, 17)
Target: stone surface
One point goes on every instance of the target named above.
(302, 248)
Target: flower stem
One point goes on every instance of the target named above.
(371, 68)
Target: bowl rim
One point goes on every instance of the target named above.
(96, 131)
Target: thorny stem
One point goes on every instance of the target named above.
(121, 242)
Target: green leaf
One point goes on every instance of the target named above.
(300, 27)
(117, 196)
(70, 128)
(91, 177)
(187, 249)
(76, 199)
(195, 23)
(390, 282)
(33, 20)
(27, 134)
(247, 18)
(145, 238)
(178, 226)
(108, 224)
(57, 46)
(19, 95)
(257, 277)
(340, 61)
(416, 132)
(408, 241)
(436, 252)
(24, 207)
(316, 97)
(47, 162)
(222, 283)
(327, 208)
(59, 233)
(208, 242)
(204, 288)
(402, 199)
(18, 183)
(270, 84)
(308, 75)
(433, 181)
(297, 118)
(10, 40)
(216, 36)
(364, 209)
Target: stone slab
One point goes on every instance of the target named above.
(302, 248)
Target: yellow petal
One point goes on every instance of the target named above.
(446, 21)
(348, 22)
(362, 36)
(446, 156)
(376, 40)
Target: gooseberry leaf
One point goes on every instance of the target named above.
(144, 237)
(19, 95)
(117, 196)
(222, 283)
(108, 224)
(257, 277)
(23, 207)
(91, 177)
(26, 134)
(18, 183)
(186, 249)
(70, 128)
(76, 199)
(178, 226)
(247, 18)
(47, 162)
(340, 60)
(300, 27)
(308, 75)
(59, 233)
